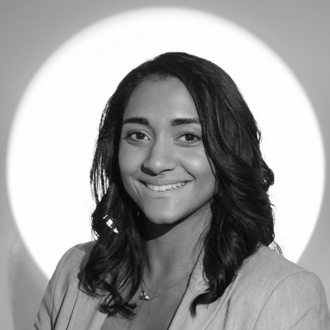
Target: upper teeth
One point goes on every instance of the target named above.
(166, 187)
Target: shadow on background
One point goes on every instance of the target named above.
(26, 286)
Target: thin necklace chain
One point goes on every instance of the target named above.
(144, 296)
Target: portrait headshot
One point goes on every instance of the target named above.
(165, 167)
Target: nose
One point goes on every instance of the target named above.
(160, 158)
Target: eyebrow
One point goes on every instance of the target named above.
(184, 121)
(136, 120)
(174, 122)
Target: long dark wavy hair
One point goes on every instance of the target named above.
(242, 217)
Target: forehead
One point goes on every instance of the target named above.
(161, 98)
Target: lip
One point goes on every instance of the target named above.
(164, 187)
(163, 182)
(161, 188)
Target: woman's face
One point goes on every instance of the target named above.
(161, 155)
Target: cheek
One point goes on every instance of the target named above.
(199, 167)
(129, 163)
(124, 163)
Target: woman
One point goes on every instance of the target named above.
(182, 217)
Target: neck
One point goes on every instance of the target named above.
(172, 250)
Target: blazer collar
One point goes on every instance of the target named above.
(89, 317)
(205, 314)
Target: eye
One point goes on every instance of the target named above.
(136, 137)
(190, 138)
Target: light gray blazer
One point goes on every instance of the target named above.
(269, 292)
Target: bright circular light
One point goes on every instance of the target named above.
(55, 127)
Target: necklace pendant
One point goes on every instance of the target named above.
(143, 295)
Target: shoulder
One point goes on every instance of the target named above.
(66, 276)
(76, 255)
(277, 291)
(73, 261)
(267, 270)
(63, 288)
(269, 265)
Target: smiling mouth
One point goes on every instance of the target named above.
(165, 187)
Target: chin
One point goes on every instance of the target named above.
(162, 219)
(168, 218)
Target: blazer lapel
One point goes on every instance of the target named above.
(86, 315)
(182, 318)
(207, 315)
